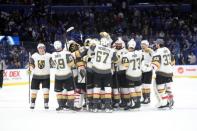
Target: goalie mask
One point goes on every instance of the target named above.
(73, 46)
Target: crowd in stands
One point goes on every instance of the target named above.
(89, 2)
(177, 28)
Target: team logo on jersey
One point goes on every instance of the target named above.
(41, 64)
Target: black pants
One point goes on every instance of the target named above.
(1, 78)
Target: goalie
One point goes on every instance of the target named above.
(162, 64)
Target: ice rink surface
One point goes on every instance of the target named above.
(15, 114)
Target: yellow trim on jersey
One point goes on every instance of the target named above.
(81, 63)
(77, 54)
(156, 63)
(71, 64)
(148, 50)
(126, 65)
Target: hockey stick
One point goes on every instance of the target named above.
(116, 76)
(29, 77)
(85, 93)
(158, 97)
(68, 30)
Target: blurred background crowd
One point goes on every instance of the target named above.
(46, 21)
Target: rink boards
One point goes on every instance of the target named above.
(21, 76)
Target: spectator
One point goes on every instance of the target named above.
(192, 58)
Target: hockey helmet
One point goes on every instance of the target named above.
(132, 44)
(57, 45)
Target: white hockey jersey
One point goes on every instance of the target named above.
(103, 58)
(120, 53)
(133, 61)
(90, 54)
(61, 60)
(162, 58)
(147, 60)
(41, 64)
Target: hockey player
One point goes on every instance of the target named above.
(40, 64)
(146, 71)
(119, 76)
(162, 63)
(132, 60)
(88, 58)
(2, 69)
(101, 66)
(78, 52)
(63, 76)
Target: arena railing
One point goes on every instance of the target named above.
(62, 8)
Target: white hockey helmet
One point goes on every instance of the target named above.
(145, 42)
(58, 45)
(132, 44)
(40, 45)
(120, 41)
(95, 41)
(105, 42)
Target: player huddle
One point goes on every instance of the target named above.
(108, 75)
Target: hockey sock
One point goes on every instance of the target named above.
(71, 97)
(116, 96)
(96, 93)
(64, 97)
(138, 94)
(96, 96)
(102, 96)
(143, 93)
(108, 97)
(33, 96)
(89, 94)
(46, 95)
(59, 100)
